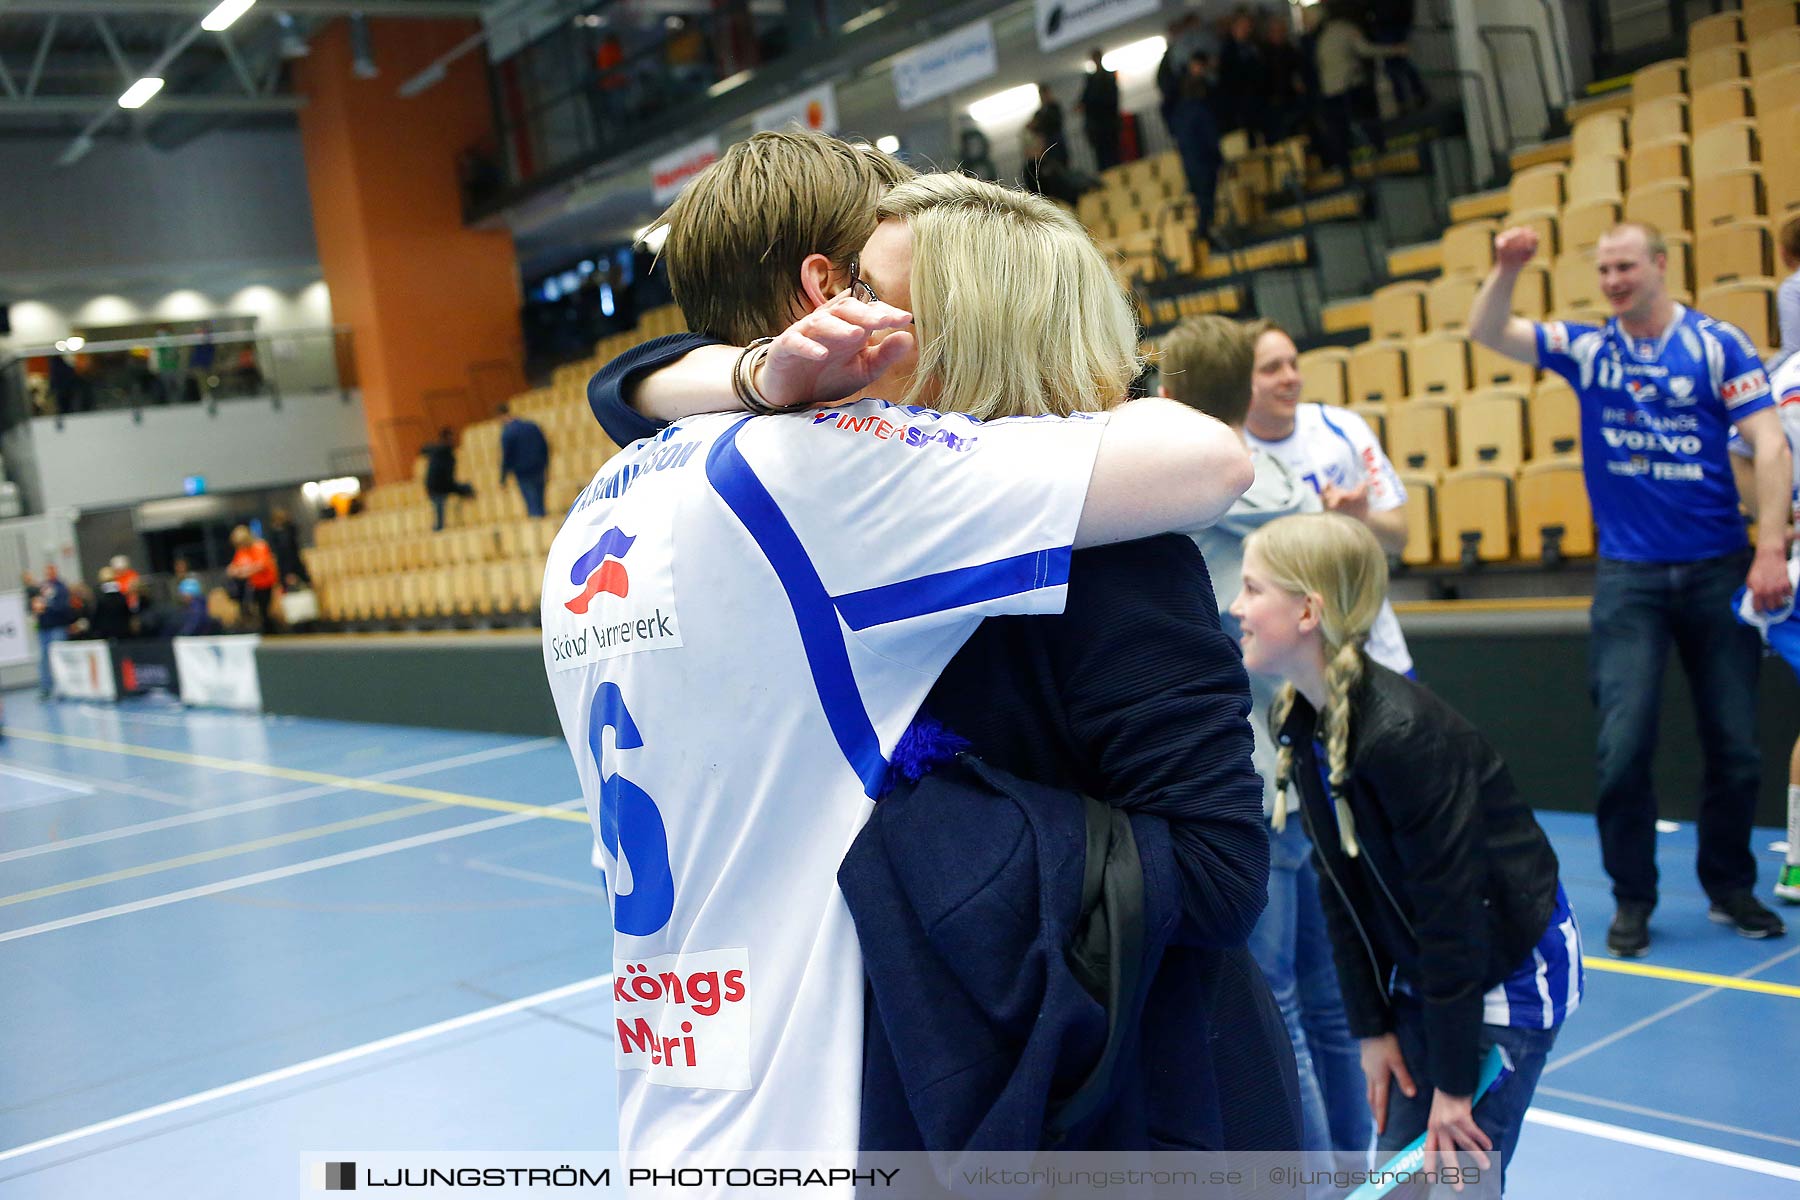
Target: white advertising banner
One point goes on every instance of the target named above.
(219, 672)
(15, 642)
(670, 173)
(83, 671)
(947, 64)
(1065, 22)
(815, 109)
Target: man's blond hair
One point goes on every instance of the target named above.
(739, 231)
(1654, 242)
(1017, 311)
(1206, 364)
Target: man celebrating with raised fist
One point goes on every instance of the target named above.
(1661, 387)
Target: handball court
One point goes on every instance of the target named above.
(230, 944)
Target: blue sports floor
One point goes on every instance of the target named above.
(228, 943)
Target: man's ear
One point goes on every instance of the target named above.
(816, 289)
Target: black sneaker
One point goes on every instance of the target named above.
(1629, 936)
(1745, 913)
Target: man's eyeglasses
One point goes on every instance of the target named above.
(859, 287)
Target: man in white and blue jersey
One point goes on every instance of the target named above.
(1661, 386)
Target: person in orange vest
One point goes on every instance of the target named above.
(254, 565)
(126, 577)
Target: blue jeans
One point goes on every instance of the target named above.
(1640, 610)
(1292, 948)
(46, 639)
(1500, 1113)
(531, 488)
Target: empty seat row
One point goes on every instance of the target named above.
(1538, 513)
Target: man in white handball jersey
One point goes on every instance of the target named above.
(741, 616)
(1338, 455)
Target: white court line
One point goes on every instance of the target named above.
(302, 868)
(557, 881)
(1661, 1115)
(80, 789)
(280, 798)
(335, 1059)
(1668, 1145)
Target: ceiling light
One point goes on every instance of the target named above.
(1136, 57)
(1013, 102)
(888, 144)
(222, 17)
(139, 93)
(76, 342)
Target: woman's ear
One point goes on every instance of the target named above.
(816, 287)
(1312, 613)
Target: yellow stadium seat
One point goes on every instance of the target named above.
(1724, 147)
(1733, 252)
(1531, 294)
(1781, 174)
(1720, 29)
(1600, 134)
(1680, 267)
(1437, 366)
(1555, 419)
(1421, 518)
(1666, 78)
(1666, 205)
(1490, 429)
(1397, 311)
(1714, 66)
(1583, 224)
(1555, 521)
(1322, 378)
(1475, 517)
(1419, 435)
(1541, 221)
(1773, 51)
(1577, 283)
(1718, 103)
(1734, 195)
(1494, 370)
(1377, 417)
(1766, 21)
(1448, 300)
(1537, 187)
(1599, 178)
(1655, 120)
(1377, 372)
(1659, 161)
(1468, 248)
(1748, 304)
(1776, 90)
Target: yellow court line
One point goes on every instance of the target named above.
(1704, 978)
(264, 769)
(188, 860)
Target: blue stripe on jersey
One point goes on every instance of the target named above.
(1332, 425)
(955, 589)
(1548, 985)
(820, 633)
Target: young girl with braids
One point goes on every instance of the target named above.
(1448, 925)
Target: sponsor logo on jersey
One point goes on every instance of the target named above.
(684, 1019)
(600, 569)
(1747, 386)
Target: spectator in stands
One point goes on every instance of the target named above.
(995, 687)
(1195, 129)
(195, 620)
(1453, 937)
(166, 361)
(1338, 455)
(112, 618)
(1243, 83)
(440, 474)
(611, 87)
(1346, 91)
(975, 155)
(1659, 385)
(1208, 363)
(1390, 24)
(685, 55)
(55, 612)
(1052, 175)
(524, 454)
(1283, 107)
(1188, 36)
(1099, 109)
(1046, 125)
(253, 565)
(126, 576)
(1787, 294)
(284, 541)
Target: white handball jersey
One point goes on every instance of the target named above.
(1335, 446)
(741, 617)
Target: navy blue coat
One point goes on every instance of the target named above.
(523, 450)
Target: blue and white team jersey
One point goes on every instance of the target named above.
(1335, 446)
(741, 617)
(1655, 416)
(1785, 386)
(1548, 986)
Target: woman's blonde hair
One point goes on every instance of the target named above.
(1336, 559)
(1017, 312)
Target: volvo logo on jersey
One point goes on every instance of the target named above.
(620, 597)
